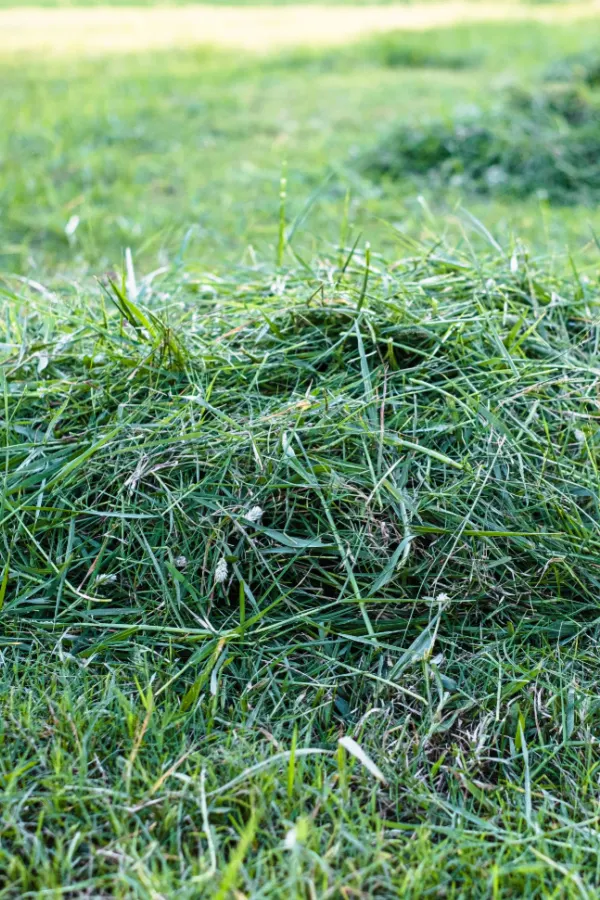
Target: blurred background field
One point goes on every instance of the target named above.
(142, 147)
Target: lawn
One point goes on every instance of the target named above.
(300, 540)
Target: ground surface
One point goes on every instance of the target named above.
(417, 422)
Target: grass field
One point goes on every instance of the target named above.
(142, 148)
(300, 544)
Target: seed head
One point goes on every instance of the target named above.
(254, 515)
(105, 579)
(221, 571)
(290, 842)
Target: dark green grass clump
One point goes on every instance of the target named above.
(421, 440)
(393, 50)
(545, 143)
(425, 442)
(577, 67)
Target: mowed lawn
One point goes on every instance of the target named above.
(147, 148)
(299, 534)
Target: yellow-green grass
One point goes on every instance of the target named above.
(144, 147)
(101, 29)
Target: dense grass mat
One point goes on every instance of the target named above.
(247, 516)
(338, 446)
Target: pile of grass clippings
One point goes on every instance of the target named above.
(354, 450)
(393, 50)
(401, 50)
(299, 581)
(579, 67)
(544, 143)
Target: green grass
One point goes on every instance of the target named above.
(417, 421)
(543, 143)
(584, 67)
(143, 148)
(422, 442)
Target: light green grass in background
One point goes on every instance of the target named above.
(143, 148)
(421, 436)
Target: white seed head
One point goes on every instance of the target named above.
(441, 598)
(71, 226)
(180, 562)
(291, 839)
(579, 436)
(106, 579)
(221, 571)
(254, 515)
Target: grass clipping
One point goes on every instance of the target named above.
(544, 143)
(353, 450)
